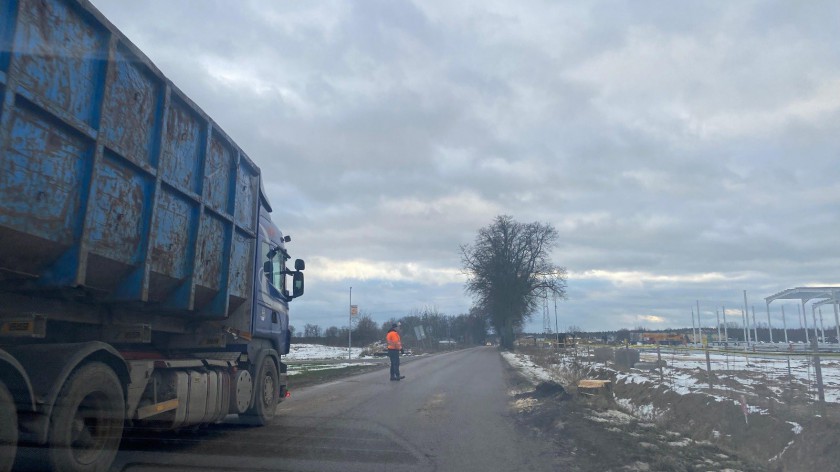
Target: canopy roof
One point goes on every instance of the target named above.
(824, 302)
(805, 294)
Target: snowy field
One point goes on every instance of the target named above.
(316, 352)
(741, 374)
(734, 375)
(305, 352)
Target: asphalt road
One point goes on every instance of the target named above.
(450, 413)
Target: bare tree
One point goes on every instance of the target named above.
(366, 331)
(331, 332)
(311, 331)
(509, 269)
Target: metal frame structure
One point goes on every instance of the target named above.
(805, 294)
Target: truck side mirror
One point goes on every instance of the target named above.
(297, 284)
(299, 264)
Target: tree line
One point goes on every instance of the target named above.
(418, 328)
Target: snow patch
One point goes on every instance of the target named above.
(301, 368)
(612, 416)
(646, 412)
(681, 443)
(303, 352)
(531, 371)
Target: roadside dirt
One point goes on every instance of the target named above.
(591, 433)
(781, 437)
(787, 435)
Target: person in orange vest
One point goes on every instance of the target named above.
(394, 349)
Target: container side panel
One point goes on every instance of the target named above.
(42, 177)
(131, 112)
(61, 52)
(120, 195)
(218, 172)
(211, 239)
(42, 180)
(241, 266)
(173, 230)
(212, 266)
(8, 16)
(140, 197)
(182, 147)
(247, 193)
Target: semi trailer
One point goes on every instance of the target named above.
(142, 280)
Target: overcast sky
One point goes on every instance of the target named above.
(684, 150)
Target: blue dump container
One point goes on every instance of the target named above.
(114, 186)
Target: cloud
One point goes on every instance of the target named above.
(622, 278)
(683, 151)
(360, 269)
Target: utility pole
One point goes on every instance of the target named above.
(556, 326)
(746, 331)
(699, 323)
(693, 331)
(769, 326)
(350, 324)
(836, 315)
(546, 318)
(803, 318)
(725, 328)
(784, 324)
(755, 326)
(717, 315)
(746, 319)
(822, 326)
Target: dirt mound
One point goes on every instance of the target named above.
(590, 437)
(779, 435)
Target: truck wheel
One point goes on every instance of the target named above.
(8, 429)
(266, 395)
(87, 421)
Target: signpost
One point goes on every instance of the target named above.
(354, 311)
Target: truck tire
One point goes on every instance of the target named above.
(8, 429)
(266, 395)
(87, 421)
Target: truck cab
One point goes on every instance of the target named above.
(276, 285)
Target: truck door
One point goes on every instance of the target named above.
(271, 317)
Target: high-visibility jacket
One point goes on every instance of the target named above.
(393, 339)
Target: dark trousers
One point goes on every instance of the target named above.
(394, 355)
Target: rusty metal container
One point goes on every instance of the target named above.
(113, 184)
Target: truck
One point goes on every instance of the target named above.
(142, 281)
